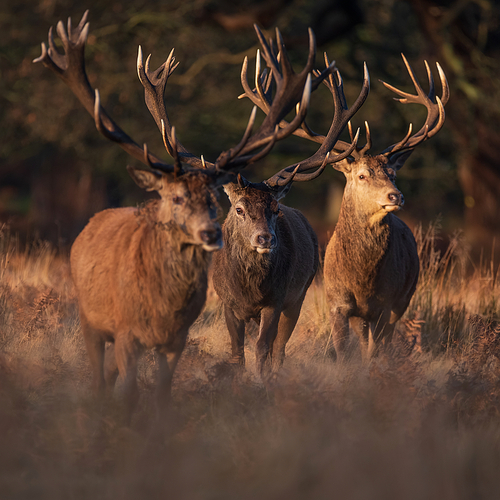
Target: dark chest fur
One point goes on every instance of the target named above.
(247, 281)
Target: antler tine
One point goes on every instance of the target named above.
(401, 144)
(154, 83)
(312, 54)
(280, 181)
(263, 96)
(229, 158)
(444, 85)
(70, 67)
(361, 152)
(258, 156)
(271, 59)
(286, 65)
(340, 86)
(343, 113)
(291, 178)
(283, 176)
(435, 108)
(295, 176)
(368, 144)
(432, 90)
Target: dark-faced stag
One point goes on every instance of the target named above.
(371, 262)
(270, 253)
(141, 275)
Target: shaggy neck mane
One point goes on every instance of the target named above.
(172, 276)
(362, 245)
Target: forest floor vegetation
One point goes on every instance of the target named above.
(420, 421)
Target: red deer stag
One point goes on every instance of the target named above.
(371, 262)
(270, 253)
(141, 275)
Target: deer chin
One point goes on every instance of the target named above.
(262, 250)
(213, 247)
(391, 208)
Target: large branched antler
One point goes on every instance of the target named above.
(434, 104)
(329, 143)
(70, 67)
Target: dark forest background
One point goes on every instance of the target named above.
(56, 170)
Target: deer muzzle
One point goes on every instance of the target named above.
(264, 242)
(211, 238)
(395, 201)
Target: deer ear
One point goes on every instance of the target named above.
(229, 188)
(397, 160)
(150, 180)
(343, 166)
(282, 191)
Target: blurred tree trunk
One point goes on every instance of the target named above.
(63, 199)
(464, 36)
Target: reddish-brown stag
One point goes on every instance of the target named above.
(141, 274)
(270, 253)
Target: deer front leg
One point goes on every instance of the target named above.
(110, 367)
(94, 344)
(127, 354)
(362, 331)
(287, 322)
(167, 362)
(269, 320)
(236, 328)
(340, 331)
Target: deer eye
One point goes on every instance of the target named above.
(239, 211)
(178, 200)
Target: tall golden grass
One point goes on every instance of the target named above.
(421, 421)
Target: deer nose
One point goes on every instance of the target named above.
(266, 240)
(210, 236)
(396, 198)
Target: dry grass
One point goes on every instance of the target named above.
(422, 421)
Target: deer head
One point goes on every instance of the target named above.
(371, 179)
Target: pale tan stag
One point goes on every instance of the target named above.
(371, 262)
(141, 275)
